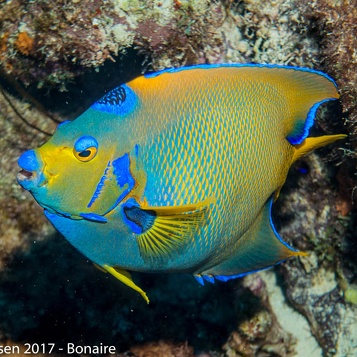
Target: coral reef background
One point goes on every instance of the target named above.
(57, 58)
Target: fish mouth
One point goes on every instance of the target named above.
(31, 180)
(31, 175)
(24, 175)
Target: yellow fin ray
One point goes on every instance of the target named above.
(171, 210)
(125, 277)
(173, 227)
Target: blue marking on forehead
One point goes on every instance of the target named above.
(120, 101)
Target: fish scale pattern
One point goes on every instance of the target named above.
(220, 146)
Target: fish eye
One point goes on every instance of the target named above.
(85, 148)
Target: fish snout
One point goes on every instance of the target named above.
(31, 174)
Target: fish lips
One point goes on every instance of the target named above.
(31, 174)
(31, 180)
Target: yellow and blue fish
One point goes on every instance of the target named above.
(176, 171)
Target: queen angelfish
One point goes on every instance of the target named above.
(176, 171)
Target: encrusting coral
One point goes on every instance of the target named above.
(339, 49)
(58, 40)
(261, 333)
(161, 349)
(24, 43)
(67, 36)
(334, 23)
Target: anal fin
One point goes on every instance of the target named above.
(259, 248)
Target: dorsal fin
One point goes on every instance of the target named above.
(297, 92)
(304, 90)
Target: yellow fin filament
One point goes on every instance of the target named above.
(311, 143)
(125, 277)
(299, 254)
(169, 210)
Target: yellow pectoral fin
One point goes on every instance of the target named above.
(310, 144)
(171, 229)
(174, 210)
(125, 277)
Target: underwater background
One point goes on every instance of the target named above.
(57, 58)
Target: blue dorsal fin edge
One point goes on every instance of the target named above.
(218, 65)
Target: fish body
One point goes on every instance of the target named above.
(176, 171)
